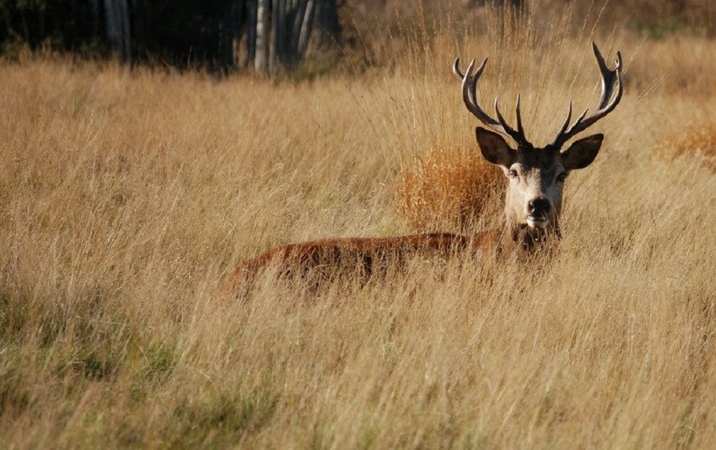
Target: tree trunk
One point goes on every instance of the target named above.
(251, 23)
(118, 29)
(299, 12)
(329, 27)
(306, 28)
(262, 36)
(275, 47)
(234, 22)
(279, 32)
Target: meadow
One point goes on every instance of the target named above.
(128, 198)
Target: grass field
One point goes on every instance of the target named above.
(127, 199)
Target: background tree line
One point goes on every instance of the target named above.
(269, 36)
(264, 35)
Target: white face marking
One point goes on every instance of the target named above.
(534, 183)
(534, 222)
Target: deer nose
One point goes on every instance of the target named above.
(538, 207)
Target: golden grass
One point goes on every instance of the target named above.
(126, 199)
(449, 190)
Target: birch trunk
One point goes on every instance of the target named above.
(262, 36)
(306, 28)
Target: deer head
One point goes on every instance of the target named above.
(536, 175)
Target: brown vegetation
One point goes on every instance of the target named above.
(449, 190)
(699, 139)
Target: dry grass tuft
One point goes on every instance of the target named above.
(448, 189)
(696, 140)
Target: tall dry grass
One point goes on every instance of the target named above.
(127, 198)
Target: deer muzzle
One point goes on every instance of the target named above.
(538, 212)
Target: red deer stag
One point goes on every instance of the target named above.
(533, 202)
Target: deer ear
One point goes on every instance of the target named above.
(582, 153)
(494, 148)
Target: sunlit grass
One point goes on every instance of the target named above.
(127, 199)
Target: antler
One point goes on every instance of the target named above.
(469, 96)
(609, 79)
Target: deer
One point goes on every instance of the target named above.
(533, 200)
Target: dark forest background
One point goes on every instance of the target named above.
(269, 36)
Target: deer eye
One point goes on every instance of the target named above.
(512, 173)
(561, 177)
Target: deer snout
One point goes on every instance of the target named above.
(538, 207)
(538, 210)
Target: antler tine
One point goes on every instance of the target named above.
(469, 96)
(519, 134)
(469, 92)
(610, 79)
(456, 69)
(608, 76)
(565, 124)
(520, 128)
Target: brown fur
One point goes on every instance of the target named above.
(364, 257)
